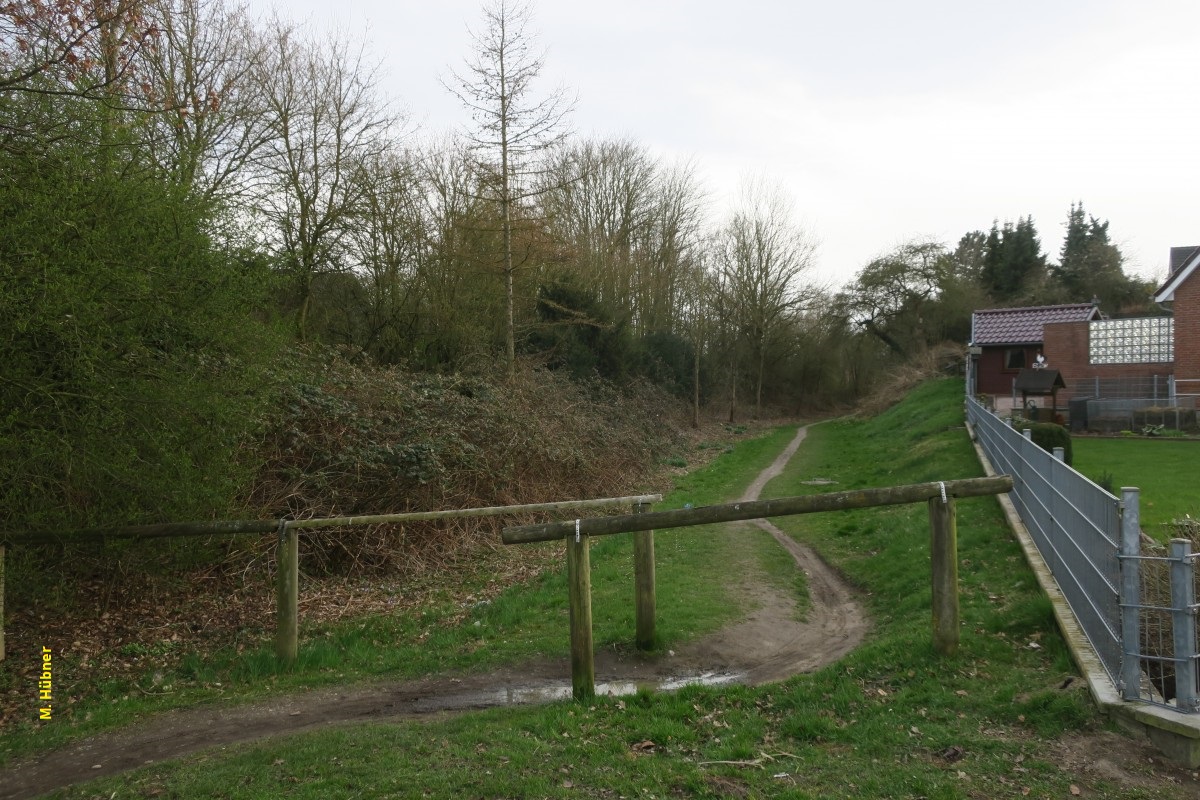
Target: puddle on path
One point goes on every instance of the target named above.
(561, 690)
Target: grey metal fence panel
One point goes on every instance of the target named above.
(1074, 523)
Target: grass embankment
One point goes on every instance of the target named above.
(455, 630)
(1000, 719)
(1164, 470)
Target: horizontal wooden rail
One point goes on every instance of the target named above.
(239, 527)
(288, 554)
(490, 511)
(757, 509)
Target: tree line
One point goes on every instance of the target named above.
(188, 190)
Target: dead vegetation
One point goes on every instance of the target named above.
(936, 361)
(1156, 631)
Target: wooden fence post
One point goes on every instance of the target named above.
(643, 580)
(944, 567)
(579, 578)
(287, 594)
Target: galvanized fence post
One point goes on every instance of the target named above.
(1131, 595)
(1183, 623)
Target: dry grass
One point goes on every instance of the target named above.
(937, 361)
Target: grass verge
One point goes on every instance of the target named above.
(1006, 717)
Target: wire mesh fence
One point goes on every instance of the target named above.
(1137, 609)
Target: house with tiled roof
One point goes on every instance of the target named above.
(1006, 340)
(1151, 360)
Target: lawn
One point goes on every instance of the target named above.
(1164, 470)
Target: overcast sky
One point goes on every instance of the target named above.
(884, 121)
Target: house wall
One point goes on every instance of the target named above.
(1066, 350)
(1186, 309)
(992, 377)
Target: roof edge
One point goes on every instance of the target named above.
(1166, 293)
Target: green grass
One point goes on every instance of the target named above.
(1164, 470)
(877, 724)
(524, 623)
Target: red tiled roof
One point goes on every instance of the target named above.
(1024, 325)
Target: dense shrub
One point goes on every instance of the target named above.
(1048, 436)
(356, 440)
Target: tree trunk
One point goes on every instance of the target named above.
(732, 391)
(884, 337)
(696, 386)
(762, 357)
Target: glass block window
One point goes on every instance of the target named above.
(1141, 340)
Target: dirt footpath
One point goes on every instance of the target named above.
(769, 645)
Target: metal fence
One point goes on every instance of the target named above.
(1138, 611)
(1159, 388)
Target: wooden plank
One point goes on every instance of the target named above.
(943, 559)
(759, 509)
(167, 530)
(643, 582)
(490, 511)
(287, 596)
(238, 527)
(579, 578)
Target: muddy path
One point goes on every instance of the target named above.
(770, 644)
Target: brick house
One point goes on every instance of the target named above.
(1006, 340)
(1181, 294)
(1158, 356)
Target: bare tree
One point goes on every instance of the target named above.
(326, 122)
(80, 48)
(630, 222)
(201, 74)
(512, 127)
(761, 254)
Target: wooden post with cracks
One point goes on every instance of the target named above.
(287, 595)
(579, 581)
(643, 581)
(943, 563)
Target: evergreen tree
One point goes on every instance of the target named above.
(1091, 266)
(1013, 263)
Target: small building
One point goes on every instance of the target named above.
(1117, 365)
(1005, 341)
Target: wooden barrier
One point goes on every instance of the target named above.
(939, 495)
(287, 589)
